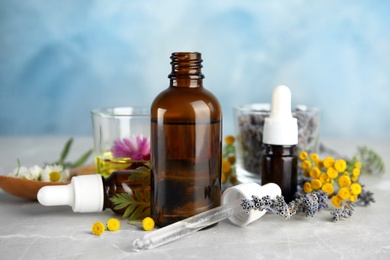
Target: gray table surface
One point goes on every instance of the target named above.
(31, 231)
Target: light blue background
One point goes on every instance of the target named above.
(60, 59)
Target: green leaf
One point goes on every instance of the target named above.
(137, 206)
(129, 210)
(142, 176)
(19, 164)
(372, 162)
(82, 159)
(137, 213)
(138, 195)
(65, 151)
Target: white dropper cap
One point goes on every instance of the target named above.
(280, 128)
(83, 194)
(246, 191)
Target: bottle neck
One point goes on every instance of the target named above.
(186, 70)
(280, 150)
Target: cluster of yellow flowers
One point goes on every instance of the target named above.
(113, 224)
(228, 161)
(339, 180)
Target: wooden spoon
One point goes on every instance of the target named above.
(28, 189)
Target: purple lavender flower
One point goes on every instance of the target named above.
(136, 149)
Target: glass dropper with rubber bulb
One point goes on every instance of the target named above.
(231, 209)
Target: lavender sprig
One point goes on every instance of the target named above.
(345, 211)
(366, 197)
(309, 204)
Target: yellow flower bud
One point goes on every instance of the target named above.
(229, 139)
(113, 224)
(315, 173)
(332, 173)
(320, 164)
(336, 200)
(226, 166)
(328, 188)
(303, 155)
(344, 193)
(356, 188)
(328, 162)
(148, 223)
(324, 178)
(223, 178)
(340, 165)
(358, 165)
(344, 181)
(314, 157)
(316, 184)
(306, 164)
(307, 187)
(98, 228)
(356, 172)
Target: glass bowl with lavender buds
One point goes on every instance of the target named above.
(249, 122)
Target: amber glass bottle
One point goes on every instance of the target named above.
(279, 165)
(186, 144)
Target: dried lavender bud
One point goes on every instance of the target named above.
(247, 205)
(310, 203)
(345, 211)
(366, 197)
(322, 199)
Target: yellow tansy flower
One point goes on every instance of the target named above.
(306, 164)
(356, 188)
(336, 200)
(306, 173)
(354, 178)
(344, 181)
(231, 159)
(315, 173)
(328, 188)
(356, 172)
(340, 165)
(223, 178)
(314, 157)
(148, 223)
(320, 164)
(307, 187)
(229, 139)
(226, 167)
(323, 178)
(332, 173)
(303, 155)
(316, 184)
(113, 224)
(358, 165)
(328, 162)
(344, 193)
(233, 180)
(353, 198)
(98, 228)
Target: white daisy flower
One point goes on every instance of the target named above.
(54, 173)
(20, 172)
(35, 173)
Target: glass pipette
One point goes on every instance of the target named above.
(231, 209)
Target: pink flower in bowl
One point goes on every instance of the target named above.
(136, 149)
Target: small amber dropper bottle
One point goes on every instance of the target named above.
(93, 193)
(280, 137)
